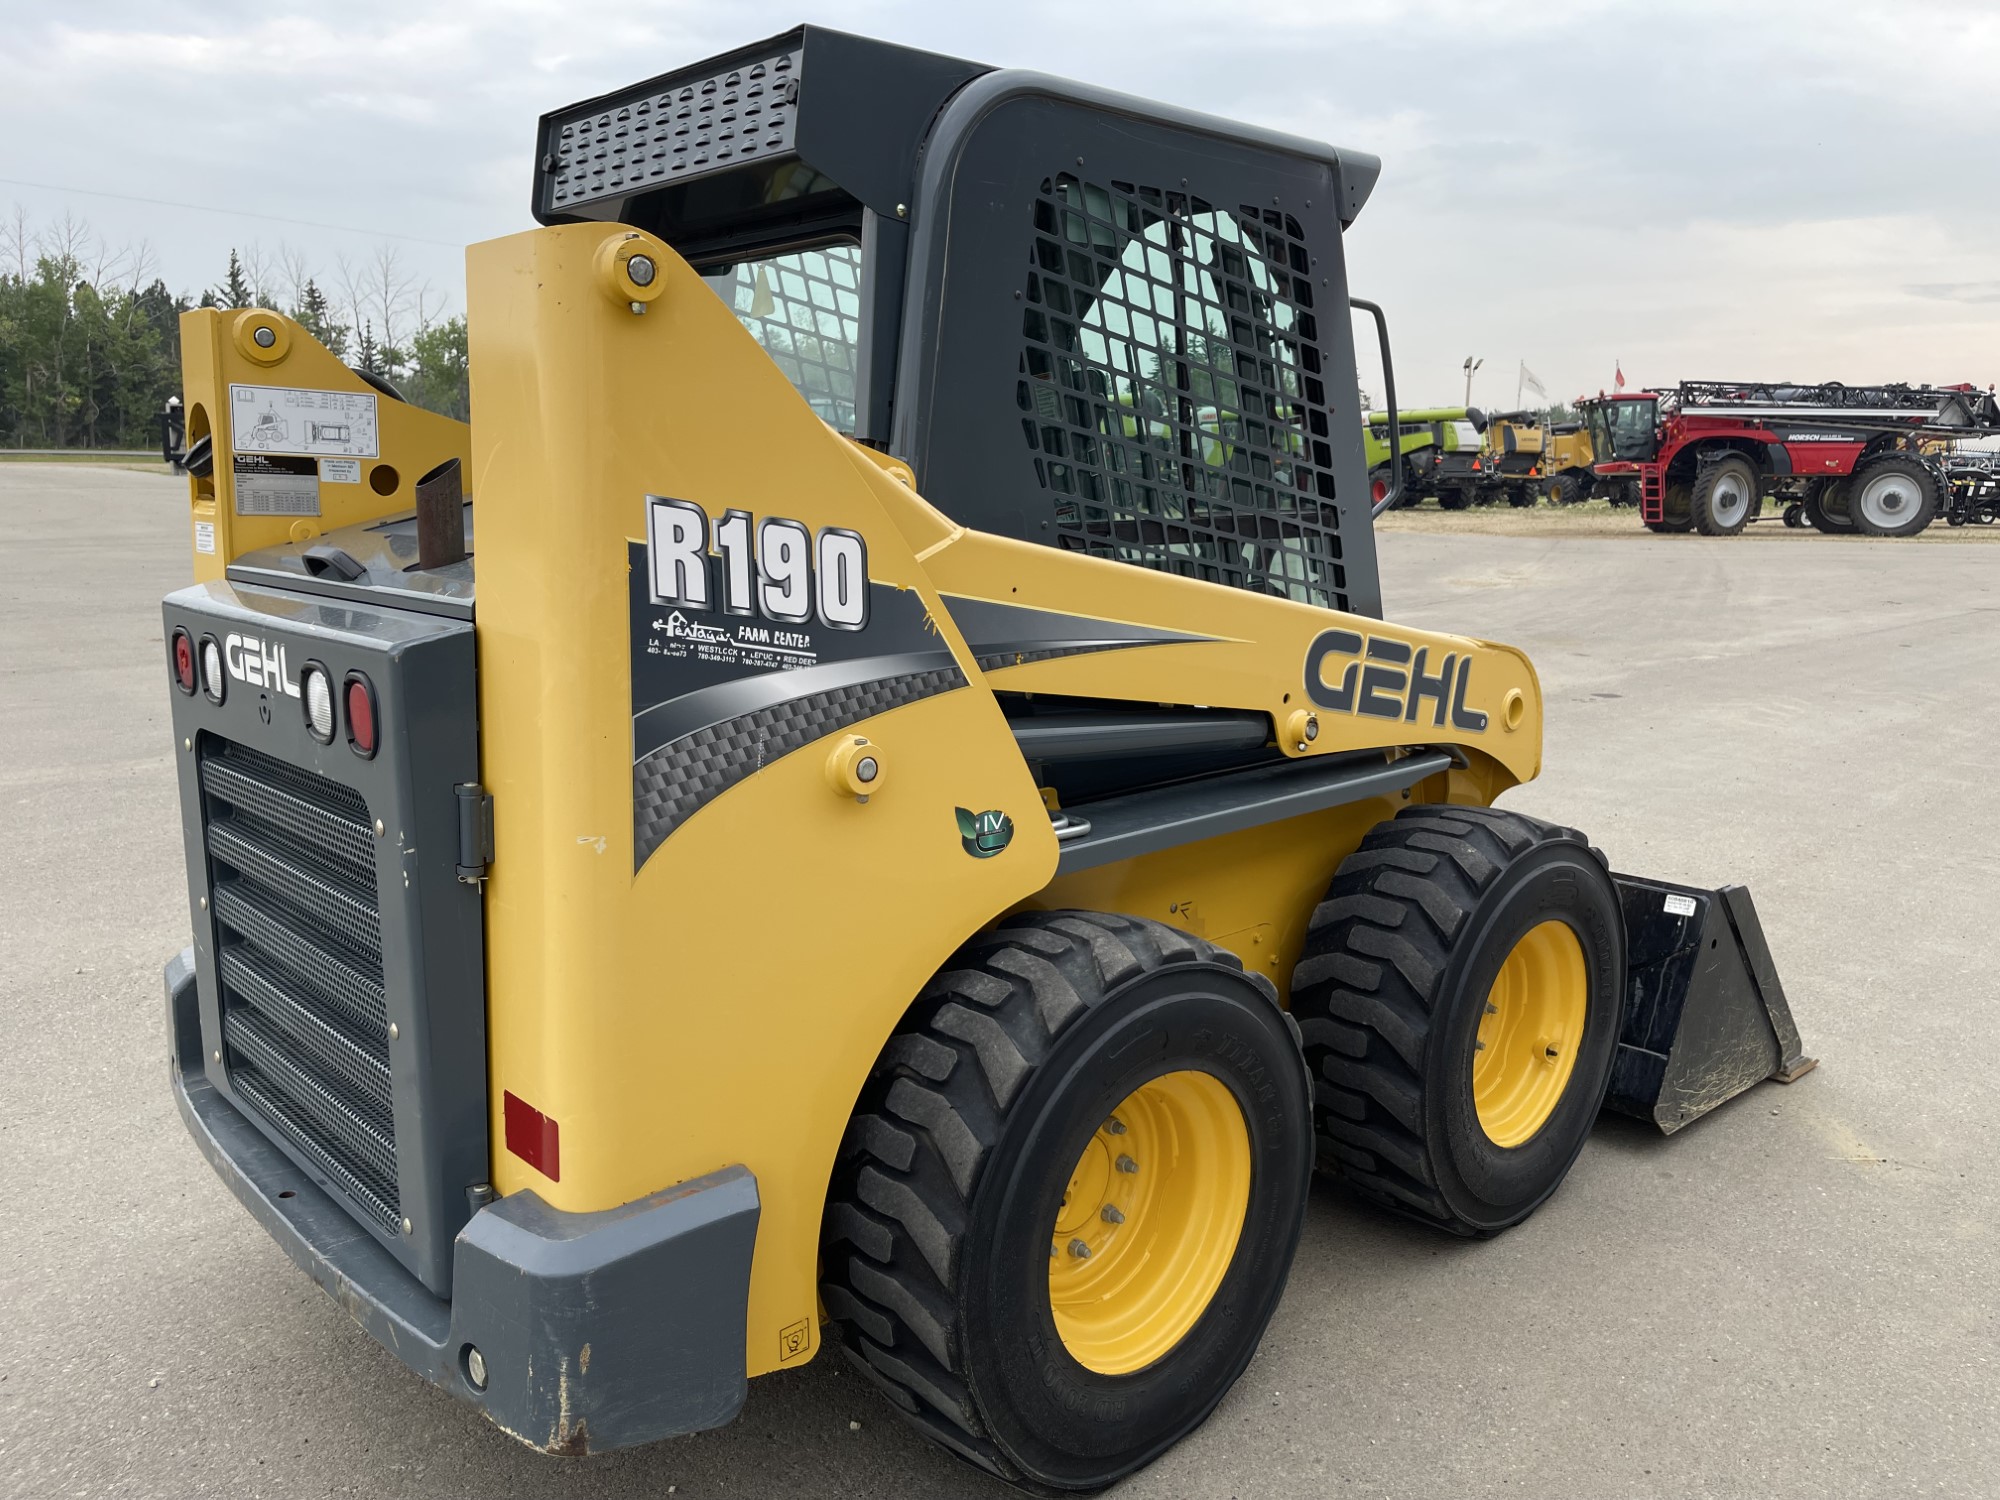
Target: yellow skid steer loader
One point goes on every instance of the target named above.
(889, 844)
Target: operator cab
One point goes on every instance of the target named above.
(1624, 429)
(1082, 320)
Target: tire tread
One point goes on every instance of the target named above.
(931, 1115)
(1367, 983)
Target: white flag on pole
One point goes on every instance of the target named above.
(1530, 381)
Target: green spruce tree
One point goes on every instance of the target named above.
(235, 288)
(315, 314)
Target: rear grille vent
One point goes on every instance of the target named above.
(299, 955)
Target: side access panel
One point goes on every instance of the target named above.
(1705, 1015)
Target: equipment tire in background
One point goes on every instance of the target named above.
(1723, 497)
(1825, 508)
(1074, 1091)
(1460, 993)
(1892, 494)
(1454, 499)
(1565, 489)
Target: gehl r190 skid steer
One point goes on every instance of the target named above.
(922, 827)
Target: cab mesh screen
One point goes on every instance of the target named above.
(805, 309)
(1171, 388)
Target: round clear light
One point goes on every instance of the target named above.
(211, 669)
(319, 702)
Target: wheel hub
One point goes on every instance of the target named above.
(1529, 1033)
(1729, 498)
(1149, 1221)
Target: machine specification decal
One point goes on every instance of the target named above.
(752, 637)
(276, 485)
(285, 419)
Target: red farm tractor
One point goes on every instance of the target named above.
(1708, 454)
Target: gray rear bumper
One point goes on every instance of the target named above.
(598, 1331)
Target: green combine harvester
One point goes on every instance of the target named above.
(1440, 449)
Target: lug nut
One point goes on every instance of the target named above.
(1079, 1249)
(1126, 1164)
(1114, 1126)
(641, 269)
(1110, 1214)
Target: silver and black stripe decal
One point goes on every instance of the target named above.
(693, 749)
(1014, 635)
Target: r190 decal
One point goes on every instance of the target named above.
(775, 568)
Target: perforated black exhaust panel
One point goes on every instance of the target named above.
(304, 1020)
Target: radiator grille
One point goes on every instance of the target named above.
(299, 956)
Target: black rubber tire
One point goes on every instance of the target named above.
(1795, 514)
(936, 1240)
(1676, 509)
(1565, 489)
(1454, 499)
(1521, 496)
(1825, 508)
(1702, 514)
(1389, 993)
(1914, 470)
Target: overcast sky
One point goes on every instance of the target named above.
(1795, 189)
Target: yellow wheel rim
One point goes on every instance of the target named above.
(1529, 1034)
(1149, 1222)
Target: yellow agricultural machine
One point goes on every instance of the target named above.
(803, 819)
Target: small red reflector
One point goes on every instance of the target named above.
(360, 715)
(184, 660)
(533, 1136)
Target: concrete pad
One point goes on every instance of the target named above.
(1798, 1296)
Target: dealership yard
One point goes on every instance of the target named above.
(1799, 1296)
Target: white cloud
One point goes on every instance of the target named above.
(1792, 188)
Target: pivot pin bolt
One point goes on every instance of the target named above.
(642, 270)
(265, 337)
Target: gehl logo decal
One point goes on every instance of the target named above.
(259, 663)
(1380, 681)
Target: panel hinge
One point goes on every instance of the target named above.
(475, 832)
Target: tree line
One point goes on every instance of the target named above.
(90, 333)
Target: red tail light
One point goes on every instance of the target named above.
(360, 714)
(182, 653)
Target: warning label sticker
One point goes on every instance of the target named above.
(271, 485)
(281, 419)
(204, 536)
